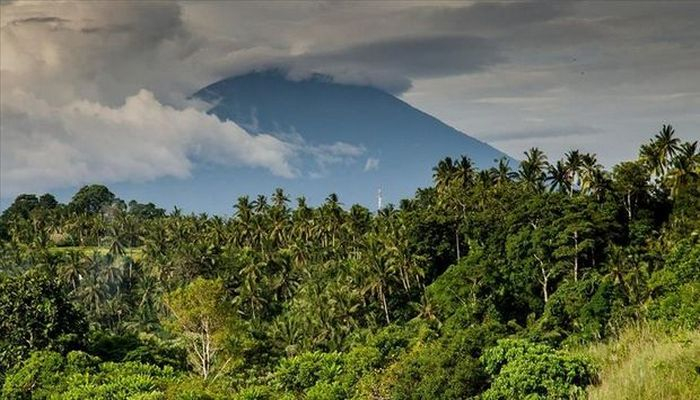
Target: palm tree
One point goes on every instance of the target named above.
(649, 155)
(280, 199)
(667, 146)
(250, 291)
(244, 217)
(503, 173)
(532, 169)
(332, 216)
(93, 293)
(559, 177)
(486, 178)
(149, 294)
(599, 184)
(588, 170)
(116, 241)
(112, 270)
(73, 270)
(464, 172)
(443, 173)
(378, 273)
(684, 167)
(573, 167)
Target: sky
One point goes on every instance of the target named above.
(99, 91)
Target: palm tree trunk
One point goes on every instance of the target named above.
(629, 205)
(386, 309)
(575, 256)
(457, 243)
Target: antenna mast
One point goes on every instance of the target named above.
(379, 199)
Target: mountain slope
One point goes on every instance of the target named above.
(400, 143)
(352, 141)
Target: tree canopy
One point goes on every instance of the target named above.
(492, 284)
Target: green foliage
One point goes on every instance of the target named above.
(298, 373)
(91, 199)
(35, 378)
(326, 302)
(145, 349)
(202, 316)
(520, 369)
(36, 314)
(81, 376)
(675, 289)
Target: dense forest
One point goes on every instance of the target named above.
(550, 279)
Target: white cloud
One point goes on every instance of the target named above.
(325, 155)
(46, 146)
(371, 164)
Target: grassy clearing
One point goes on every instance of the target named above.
(647, 362)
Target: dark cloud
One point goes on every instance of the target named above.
(39, 20)
(549, 132)
(493, 16)
(418, 57)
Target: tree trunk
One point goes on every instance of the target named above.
(575, 256)
(544, 280)
(629, 205)
(457, 242)
(386, 309)
(545, 293)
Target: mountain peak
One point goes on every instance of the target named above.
(394, 144)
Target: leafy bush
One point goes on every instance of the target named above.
(36, 378)
(36, 314)
(301, 372)
(676, 289)
(81, 376)
(521, 369)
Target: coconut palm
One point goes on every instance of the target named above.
(667, 146)
(559, 177)
(443, 173)
(464, 172)
(532, 169)
(280, 199)
(573, 166)
(503, 173)
(589, 167)
(684, 167)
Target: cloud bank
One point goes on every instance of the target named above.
(48, 146)
(97, 92)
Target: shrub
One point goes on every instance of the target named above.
(35, 378)
(300, 372)
(521, 369)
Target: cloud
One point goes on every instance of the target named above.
(520, 73)
(100, 51)
(98, 92)
(371, 164)
(390, 64)
(46, 146)
(544, 132)
(326, 155)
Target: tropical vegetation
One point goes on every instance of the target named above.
(550, 279)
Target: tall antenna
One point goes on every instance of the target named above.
(379, 199)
